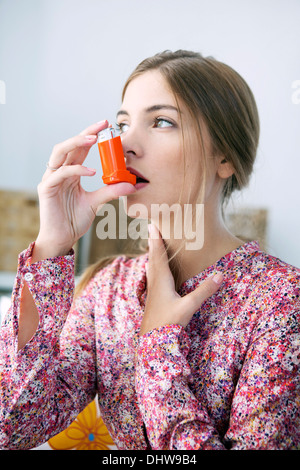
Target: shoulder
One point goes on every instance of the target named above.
(274, 288)
(261, 283)
(268, 269)
(250, 264)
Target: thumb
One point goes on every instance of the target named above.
(108, 193)
(208, 287)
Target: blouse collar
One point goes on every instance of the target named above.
(227, 261)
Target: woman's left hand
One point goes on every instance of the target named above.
(164, 306)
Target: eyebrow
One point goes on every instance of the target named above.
(151, 109)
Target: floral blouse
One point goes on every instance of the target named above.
(229, 380)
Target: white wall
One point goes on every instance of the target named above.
(64, 62)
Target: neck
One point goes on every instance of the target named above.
(217, 242)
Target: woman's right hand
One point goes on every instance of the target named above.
(66, 209)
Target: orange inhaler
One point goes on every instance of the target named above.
(112, 158)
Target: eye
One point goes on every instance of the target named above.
(122, 127)
(161, 123)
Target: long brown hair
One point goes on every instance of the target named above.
(217, 95)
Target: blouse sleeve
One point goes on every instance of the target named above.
(46, 384)
(265, 411)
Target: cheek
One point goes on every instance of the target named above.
(165, 167)
(171, 162)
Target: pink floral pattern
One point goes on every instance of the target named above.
(230, 380)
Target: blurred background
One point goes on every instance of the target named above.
(62, 67)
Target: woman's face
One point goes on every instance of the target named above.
(151, 133)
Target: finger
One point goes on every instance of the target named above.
(158, 263)
(75, 150)
(108, 193)
(95, 128)
(65, 172)
(60, 151)
(78, 155)
(195, 299)
(157, 250)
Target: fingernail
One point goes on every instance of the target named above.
(102, 122)
(90, 137)
(92, 170)
(218, 278)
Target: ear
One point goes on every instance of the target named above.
(225, 168)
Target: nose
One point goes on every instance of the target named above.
(131, 145)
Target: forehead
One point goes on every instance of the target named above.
(147, 90)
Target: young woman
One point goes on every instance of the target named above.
(185, 348)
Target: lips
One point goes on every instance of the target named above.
(139, 177)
